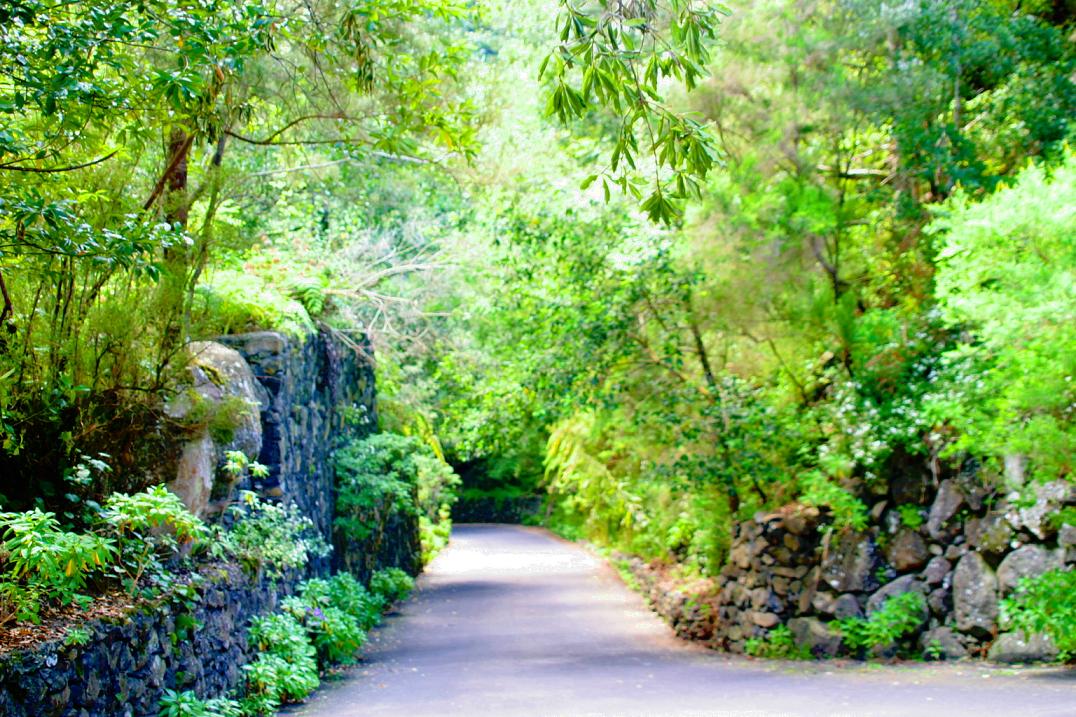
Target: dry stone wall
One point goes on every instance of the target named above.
(963, 546)
(319, 394)
(301, 398)
(126, 664)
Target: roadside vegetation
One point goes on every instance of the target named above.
(660, 264)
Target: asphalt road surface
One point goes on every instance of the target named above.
(513, 621)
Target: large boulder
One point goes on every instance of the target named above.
(849, 564)
(222, 376)
(195, 473)
(975, 596)
(1027, 562)
(813, 635)
(223, 403)
(907, 551)
(1014, 647)
(944, 507)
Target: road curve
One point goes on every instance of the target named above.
(513, 621)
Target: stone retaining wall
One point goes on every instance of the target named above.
(320, 394)
(963, 546)
(125, 666)
(306, 397)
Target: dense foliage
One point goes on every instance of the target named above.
(149, 159)
(388, 475)
(898, 617)
(145, 542)
(321, 627)
(660, 264)
(879, 275)
(1044, 605)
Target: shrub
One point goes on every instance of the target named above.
(270, 537)
(1046, 604)
(151, 526)
(434, 536)
(188, 704)
(437, 492)
(273, 680)
(848, 511)
(911, 516)
(388, 473)
(336, 634)
(343, 591)
(234, 301)
(238, 465)
(286, 668)
(1005, 267)
(392, 583)
(376, 474)
(777, 645)
(42, 563)
(437, 484)
(900, 616)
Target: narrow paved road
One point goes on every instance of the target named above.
(513, 621)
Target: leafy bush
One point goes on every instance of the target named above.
(325, 624)
(154, 508)
(1046, 604)
(900, 616)
(343, 591)
(151, 527)
(286, 669)
(434, 536)
(375, 474)
(438, 487)
(42, 563)
(389, 473)
(188, 704)
(273, 680)
(437, 484)
(1005, 277)
(777, 645)
(238, 465)
(268, 536)
(335, 634)
(911, 516)
(234, 301)
(848, 511)
(392, 584)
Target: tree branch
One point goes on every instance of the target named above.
(181, 152)
(10, 167)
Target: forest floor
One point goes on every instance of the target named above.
(514, 621)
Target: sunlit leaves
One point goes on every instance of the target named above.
(621, 57)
